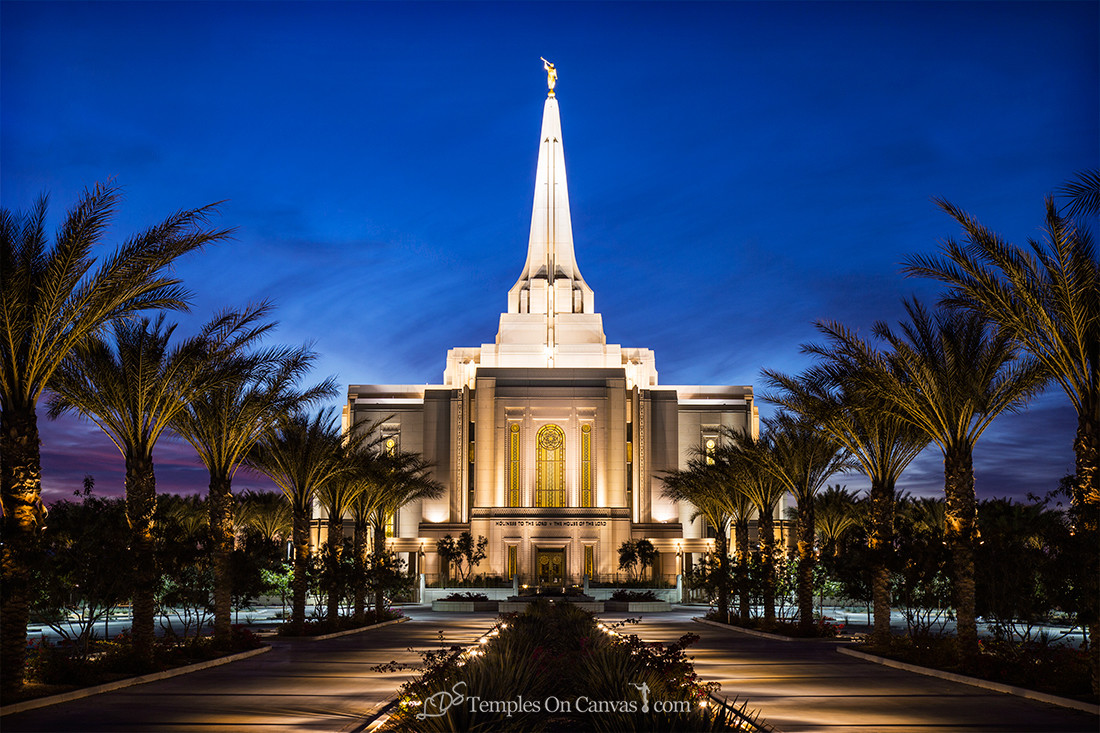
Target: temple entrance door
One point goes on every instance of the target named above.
(550, 566)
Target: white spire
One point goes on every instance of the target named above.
(551, 282)
(551, 319)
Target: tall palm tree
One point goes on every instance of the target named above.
(834, 515)
(740, 508)
(394, 479)
(337, 497)
(1046, 298)
(51, 299)
(225, 422)
(266, 513)
(949, 376)
(879, 441)
(702, 486)
(132, 388)
(741, 458)
(802, 459)
(301, 454)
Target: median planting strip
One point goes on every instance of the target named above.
(42, 702)
(975, 681)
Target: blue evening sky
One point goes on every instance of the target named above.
(737, 170)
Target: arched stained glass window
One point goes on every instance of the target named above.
(550, 467)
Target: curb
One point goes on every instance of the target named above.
(42, 702)
(766, 635)
(346, 632)
(976, 682)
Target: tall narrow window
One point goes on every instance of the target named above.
(391, 525)
(550, 467)
(513, 465)
(586, 465)
(710, 445)
(590, 561)
(470, 470)
(513, 561)
(630, 464)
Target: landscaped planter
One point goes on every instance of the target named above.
(521, 606)
(638, 606)
(464, 606)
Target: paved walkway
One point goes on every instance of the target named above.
(299, 685)
(806, 687)
(798, 687)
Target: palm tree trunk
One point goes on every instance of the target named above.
(961, 525)
(20, 495)
(1086, 504)
(335, 554)
(359, 545)
(222, 540)
(300, 584)
(806, 559)
(141, 505)
(743, 596)
(378, 551)
(721, 546)
(881, 544)
(766, 530)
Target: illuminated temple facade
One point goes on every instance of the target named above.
(550, 441)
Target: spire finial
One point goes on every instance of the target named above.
(551, 75)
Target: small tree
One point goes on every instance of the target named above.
(628, 558)
(82, 571)
(636, 556)
(647, 556)
(463, 555)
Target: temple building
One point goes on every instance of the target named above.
(549, 440)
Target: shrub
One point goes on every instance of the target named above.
(557, 651)
(466, 597)
(627, 596)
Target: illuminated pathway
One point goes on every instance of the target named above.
(299, 685)
(803, 686)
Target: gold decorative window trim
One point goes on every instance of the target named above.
(586, 465)
(590, 560)
(513, 465)
(513, 561)
(550, 467)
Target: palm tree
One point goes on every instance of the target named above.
(267, 513)
(133, 389)
(740, 509)
(834, 515)
(51, 299)
(947, 375)
(301, 454)
(224, 423)
(1046, 299)
(390, 481)
(741, 457)
(880, 442)
(802, 459)
(1083, 192)
(701, 485)
(337, 497)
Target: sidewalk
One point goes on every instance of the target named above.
(806, 686)
(798, 686)
(300, 685)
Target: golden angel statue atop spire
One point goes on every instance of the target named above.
(551, 74)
